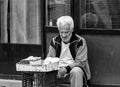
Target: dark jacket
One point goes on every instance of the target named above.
(78, 49)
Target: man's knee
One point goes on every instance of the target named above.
(77, 71)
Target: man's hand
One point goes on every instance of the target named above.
(62, 72)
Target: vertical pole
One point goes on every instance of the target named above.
(43, 33)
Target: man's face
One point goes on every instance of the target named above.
(65, 33)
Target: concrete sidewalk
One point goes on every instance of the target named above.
(10, 83)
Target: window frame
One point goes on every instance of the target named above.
(93, 31)
(75, 15)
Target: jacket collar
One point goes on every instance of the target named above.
(72, 39)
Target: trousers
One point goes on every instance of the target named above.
(76, 77)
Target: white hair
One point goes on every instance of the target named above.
(63, 20)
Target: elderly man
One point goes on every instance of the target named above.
(72, 51)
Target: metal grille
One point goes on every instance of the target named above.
(32, 80)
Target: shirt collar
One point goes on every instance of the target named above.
(72, 39)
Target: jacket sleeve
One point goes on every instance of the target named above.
(81, 56)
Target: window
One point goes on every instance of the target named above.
(99, 14)
(55, 9)
(20, 21)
